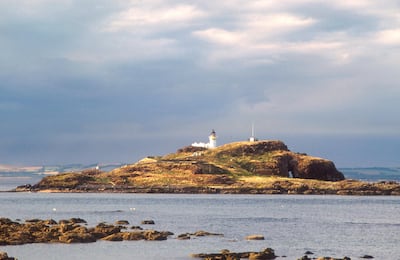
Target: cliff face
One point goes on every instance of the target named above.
(274, 158)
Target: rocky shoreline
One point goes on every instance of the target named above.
(75, 230)
(276, 186)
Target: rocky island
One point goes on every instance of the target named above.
(257, 167)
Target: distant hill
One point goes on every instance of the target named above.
(372, 173)
(11, 170)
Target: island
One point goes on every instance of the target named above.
(248, 167)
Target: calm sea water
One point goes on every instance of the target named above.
(292, 224)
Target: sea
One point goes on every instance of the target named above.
(327, 225)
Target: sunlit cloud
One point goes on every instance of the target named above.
(163, 18)
(389, 37)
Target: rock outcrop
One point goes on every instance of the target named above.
(265, 254)
(68, 231)
(273, 158)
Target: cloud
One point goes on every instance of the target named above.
(116, 74)
(138, 18)
(389, 37)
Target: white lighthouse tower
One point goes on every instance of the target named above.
(212, 140)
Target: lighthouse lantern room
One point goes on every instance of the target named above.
(212, 139)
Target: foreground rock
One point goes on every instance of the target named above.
(4, 256)
(68, 231)
(267, 253)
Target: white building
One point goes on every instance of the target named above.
(252, 137)
(212, 141)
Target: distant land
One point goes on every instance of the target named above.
(372, 173)
(12, 170)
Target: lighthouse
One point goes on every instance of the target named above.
(212, 139)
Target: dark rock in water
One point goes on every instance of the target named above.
(266, 254)
(331, 258)
(77, 220)
(136, 228)
(34, 220)
(225, 254)
(122, 222)
(183, 236)
(202, 233)
(148, 222)
(308, 253)
(367, 257)
(199, 233)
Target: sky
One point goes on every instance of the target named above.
(85, 81)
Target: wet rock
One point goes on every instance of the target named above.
(50, 222)
(148, 222)
(103, 230)
(267, 253)
(122, 222)
(73, 237)
(202, 233)
(155, 235)
(367, 257)
(131, 236)
(255, 237)
(183, 236)
(77, 220)
(308, 253)
(331, 258)
(39, 231)
(114, 237)
(136, 228)
(35, 220)
(225, 254)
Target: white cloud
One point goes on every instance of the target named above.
(163, 18)
(221, 36)
(277, 21)
(389, 37)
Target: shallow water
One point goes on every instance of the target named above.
(292, 224)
